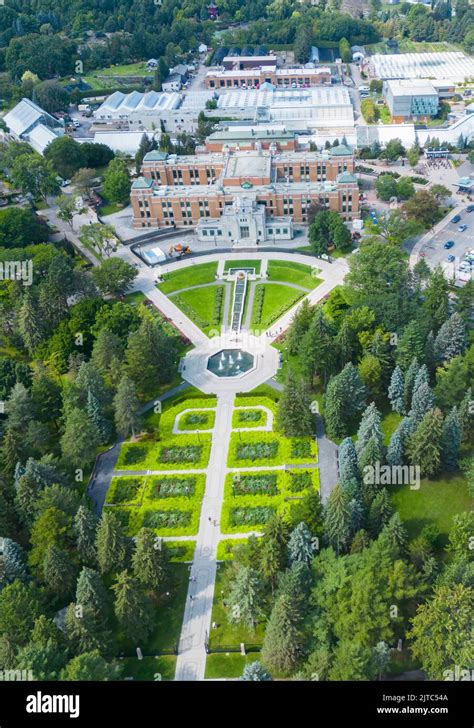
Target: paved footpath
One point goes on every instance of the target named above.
(191, 663)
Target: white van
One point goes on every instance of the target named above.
(364, 89)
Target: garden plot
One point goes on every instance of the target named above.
(168, 504)
(168, 450)
(192, 420)
(252, 498)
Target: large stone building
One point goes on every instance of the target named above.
(244, 197)
(244, 77)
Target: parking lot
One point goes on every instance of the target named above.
(434, 252)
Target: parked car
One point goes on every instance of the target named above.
(462, 228)
(451, 258)
(456, 218)
(449, 244)
(470, 208)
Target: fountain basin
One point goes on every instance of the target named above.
(230, 363)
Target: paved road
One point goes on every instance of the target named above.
(432, 244)
(191, 663)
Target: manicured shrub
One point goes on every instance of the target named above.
(301, 448)
(126, 489)
(249, 415)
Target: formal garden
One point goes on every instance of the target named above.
(167, 500)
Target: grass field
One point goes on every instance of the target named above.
(277, 300)
(257, 264)
(168, 616)
(227, 664)
(198, 305)
(194, 275)
(301, 275)
(229, 634)
(150, 668)
(437, 501)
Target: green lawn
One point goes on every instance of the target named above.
(277, 300)
(257, 264)
(129, 69)
(229, 634)
(227, 664)
(437, 501)
(301, 275)
(199, 304)
(168, 616)
(150, 668)
(193, 275)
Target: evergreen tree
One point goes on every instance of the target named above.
(380, 513)
(337, 517)
(107, 347)
(27, 490)
(85, 631)
(395, 448)
(422, 402)
(316, 351)
(410, 377)
(381, 657)
(127, 408)
(132, 607)
(111, 544)
(85, 526)
(466, 416)
(422, 377)
(451, 338)
(430, 351)
(299, 326)
(282, 647)
(424, 447)
(273, 550)
(370, 428)
(411, 344)
(345, 397)
(92, 667)
(255, 672)
(150, 356)
(294, 416)
(149, 560)
(14, 566)
(356, 515)
(348, 466)
(451, 440)
(19, 407)
(13, 450)
(360, 541)
(96, 416)
(91, 593)
(396, 533)
(59, 572)
(80, 440)
(300, 544)
(396, 391)
(245, 599)
(30, 322)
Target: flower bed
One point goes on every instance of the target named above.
(280, 501)
(255, 484)
(197, 420)
(172, 487)
(253, 451)
(180, 454)
(180, 551)
(251, 516)
(166, 519)
(269, 448)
